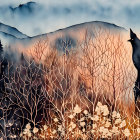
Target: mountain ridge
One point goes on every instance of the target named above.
(75, 33)
(80, 24)
(11, 30)
(70, 31)
(26, 8)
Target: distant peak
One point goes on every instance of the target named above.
(28, 4)
(11, 31)
(106, 24)
(26, 8)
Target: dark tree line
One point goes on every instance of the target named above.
(3, 66)
(23, 97)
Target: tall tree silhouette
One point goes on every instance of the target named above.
(135, 42)
(3, 65)
(1, 49)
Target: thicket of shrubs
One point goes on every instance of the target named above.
(79, 94)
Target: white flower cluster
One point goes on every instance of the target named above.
(47, 132)
(106, 126)
(101, 109)
(28, 132)
(102, 123)
(44, 132)
(77, 109)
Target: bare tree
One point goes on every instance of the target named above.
(69, 94)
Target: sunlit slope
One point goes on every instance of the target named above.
(99, 51)
(75, 32)
(98, 54)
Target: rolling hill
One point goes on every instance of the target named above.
(10, 35)
(76, 33)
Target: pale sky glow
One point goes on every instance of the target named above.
(56, 14)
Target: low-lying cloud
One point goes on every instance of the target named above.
(46, 16)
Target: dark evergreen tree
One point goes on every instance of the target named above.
(1, 50)
(3, 66)
(135, 42)
(22, 57)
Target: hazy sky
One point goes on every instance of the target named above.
(50, 15)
